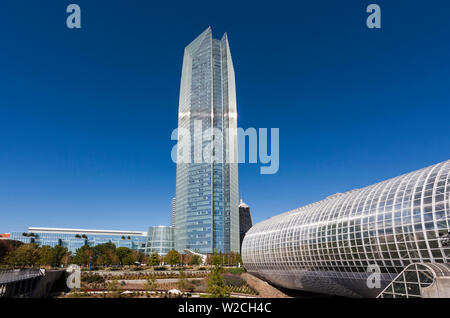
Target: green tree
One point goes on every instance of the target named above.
(173, 257)
(67, 259)
(24, 255)
(216, 285)
(109, 257)
(51, 256)
(126, 256)
(59, 252)
(7, 247)
(140, 257)
(195, 260)
(83, 254)
(105, 254)
(231, 258)
(216, 259)
(154, 259)
(129, 260)
(46, 255)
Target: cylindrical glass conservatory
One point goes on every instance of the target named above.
(333, 246)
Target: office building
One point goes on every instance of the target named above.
(73, 239)
(172, 221)
(245, 221)
(206, 214)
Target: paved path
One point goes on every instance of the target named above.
(264, 289)
(143, 281)
(118, 273)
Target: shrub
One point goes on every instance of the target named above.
(92, 278)
(235, 270)
(233, 280)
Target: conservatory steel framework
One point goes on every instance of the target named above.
(332, 246)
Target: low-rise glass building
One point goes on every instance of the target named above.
(336, 245)
(159, 240)
(73, 239)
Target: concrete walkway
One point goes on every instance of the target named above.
(146, 272)
(158, 280)
(264, 289)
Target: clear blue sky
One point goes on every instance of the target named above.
(86, 115)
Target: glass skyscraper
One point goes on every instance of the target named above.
(206, 215)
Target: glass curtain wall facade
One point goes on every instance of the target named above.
(245, 221)
(159, 240)
(73, 239)
(172, 218)
(328, 246)
(206, 211)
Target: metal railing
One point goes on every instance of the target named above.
(14, 275)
